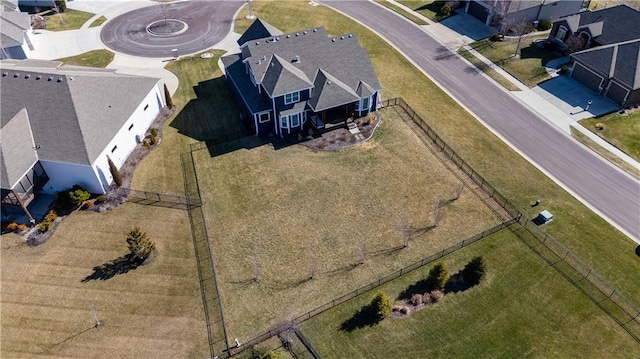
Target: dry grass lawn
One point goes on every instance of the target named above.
(294, 209)
(153, 311)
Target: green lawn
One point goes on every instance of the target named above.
(425, 8)
(487, 70)
(528, 68)
(622, 131)
(522, 309)
(99, 21)
(148, 312)
(402, 12)
(68, 20)
(292, 208)
(95, 58)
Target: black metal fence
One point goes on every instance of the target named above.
(601, 292)
(214, 317)
(155, 199)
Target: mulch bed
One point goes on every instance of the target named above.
(341, 138)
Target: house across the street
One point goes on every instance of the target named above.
(15, 32)
(61, 123)
(604, 47)
(287, 83)
(492, 12)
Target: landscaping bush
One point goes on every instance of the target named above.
(61, 5)
(416, 299)
(47, 222)
(146, 143)
(153, 139)
(22, 227)
(117, 177)
(381, 305)
(446, 10)
(437, 277)
(76, 195)
(544, 25)
(154, 132)
(436, 296)
(101, 198)
(474, 271)
(139, 244)
(495, 37)
(12, 227)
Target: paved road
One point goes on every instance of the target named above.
(208, 23)
(613, 195)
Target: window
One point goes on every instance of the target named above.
(264, 117)
(114, 149)
(130, 127)
(562, 32)
(284, 122)
(295, 120)
(146, 107)
(291, 97)
(364, 103)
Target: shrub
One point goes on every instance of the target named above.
(101, 198)
(12, 227)
(446, 10)
(61, 5)
(544, 25)
(146, 143)
(22, 227)
(416, 299)
(495, 37)
(139, 244)
(76, 195)
(117, 177)
(167, 97)
(154, 132)
(381, 305)
(437, 277)
(436, 296)
(153, 139)
(474, 271)
(564, 69)
(47, 222)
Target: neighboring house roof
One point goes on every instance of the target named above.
(607, 26)
(17, 154)
(620, 61)
(74, 112)
(258, 30)
(334, 67)
(12, 27)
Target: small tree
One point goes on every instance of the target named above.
(139, 244)
(61, 5)
(446, 10)
(76, 195)
(167, 97)
(381, 305)
(437, 277)
(474, 271)
(115, 173)
(544, 25)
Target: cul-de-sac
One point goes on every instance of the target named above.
(264, 179)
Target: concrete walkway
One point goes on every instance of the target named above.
(555, 101)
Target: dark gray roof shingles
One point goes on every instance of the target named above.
(17, 154)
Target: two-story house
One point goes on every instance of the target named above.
(288, 82)
(492, 11)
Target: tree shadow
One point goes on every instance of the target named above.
(420, 287)
(120, 265)
(365, 317)
(456, 283)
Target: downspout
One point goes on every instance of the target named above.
(275, 116)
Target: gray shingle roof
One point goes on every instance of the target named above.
(619, 61)
(235, 70)
(619, 23)
(341, 58)
(74, 113)
(16, 149)
(257, 30)
(12, 27)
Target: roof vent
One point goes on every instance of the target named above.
(259, 62)
(5, 74)
(328, 82)
(16, 74)
(350, 35)
(297, 34)
(38, 77)
(315, 30)
(50, 78)
(70, 78)
(304, 32)
(59, 79)
(26, 76)
(288, 36)
(296, 60)
(257, 42)
(341, 37)
(333, 40)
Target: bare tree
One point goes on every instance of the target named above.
(254, 267)
(311, 266)
(362, 253)
(163, 10)
(97, 323)
(458, 191)
(437, 211)
(575, 42)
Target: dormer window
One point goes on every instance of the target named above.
(365, 103)
(292, 97)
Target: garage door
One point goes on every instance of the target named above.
(617, 93)
(586, 77)
(478, 11)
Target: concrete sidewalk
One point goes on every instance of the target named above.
(549, 107)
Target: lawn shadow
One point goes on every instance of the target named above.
(365, 317)
(534, 51)
(213, 114)
(420, 287)
(120, 265)
(456, 283)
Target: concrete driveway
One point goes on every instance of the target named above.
(458, 30)
(571, 97)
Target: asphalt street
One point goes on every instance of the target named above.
(609, 192)
(208, 22)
